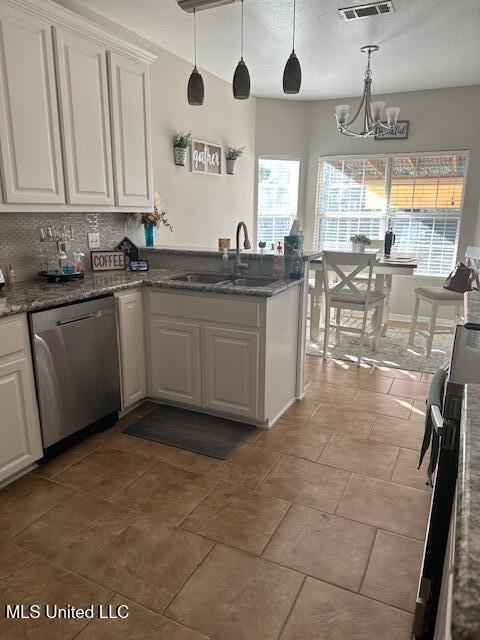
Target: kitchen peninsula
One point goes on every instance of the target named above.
(189, 335)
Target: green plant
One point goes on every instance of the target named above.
(262, 244)
(232, 153)
(182, 139)
(361, 239)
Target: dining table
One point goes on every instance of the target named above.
(384, 270)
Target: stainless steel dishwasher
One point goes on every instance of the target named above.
(76, 366)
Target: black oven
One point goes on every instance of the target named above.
(464, 367)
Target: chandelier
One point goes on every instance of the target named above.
(371, 117)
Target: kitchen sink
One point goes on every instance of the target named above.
(201, 278)
(220, 279)
(252, 281)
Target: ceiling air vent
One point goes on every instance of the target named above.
(366, 10)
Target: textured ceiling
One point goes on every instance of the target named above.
(425, 44)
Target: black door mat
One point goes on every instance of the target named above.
(208, 435)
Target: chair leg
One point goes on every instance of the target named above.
(431, 330)
(378, 327)
(411, 338)
(362, 336)
(338, 319)
(326, 331)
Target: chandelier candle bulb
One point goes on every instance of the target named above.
(341, 113)
(392, 115)
(377, 110)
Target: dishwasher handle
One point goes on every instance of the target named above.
(95, 314)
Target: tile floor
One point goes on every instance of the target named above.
(312, 530)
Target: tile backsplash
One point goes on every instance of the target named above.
(20, 240)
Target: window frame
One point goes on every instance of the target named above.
(412, 154)
(264, 156)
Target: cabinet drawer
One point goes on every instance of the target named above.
(13, 336)
(225, 309)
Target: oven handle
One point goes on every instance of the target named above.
(437, 419)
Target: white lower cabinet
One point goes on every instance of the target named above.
(232, 370)
(175, 360)
(20, 439)
(132, 348)
(232, 356)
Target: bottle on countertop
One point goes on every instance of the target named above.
(296, 271)
(279, 263)
(12, 276)
(225, 262)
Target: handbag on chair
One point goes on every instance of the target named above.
(460, 279)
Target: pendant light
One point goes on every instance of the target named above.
(241, 77)
(196, 88)
(292, 75)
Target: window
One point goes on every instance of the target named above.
(418, 196)
(277, 198)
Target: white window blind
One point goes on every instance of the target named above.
(418, 196)
(277, 198)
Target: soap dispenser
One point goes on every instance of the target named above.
(225, 262)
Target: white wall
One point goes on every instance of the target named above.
(202, 207)
(440, 120)
(282, 130)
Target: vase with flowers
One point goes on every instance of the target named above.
(152, 220)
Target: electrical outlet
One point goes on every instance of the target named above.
(94, 240)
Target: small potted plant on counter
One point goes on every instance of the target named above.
(152, 220)
(359, 242)
(231, 155)
(181, 142)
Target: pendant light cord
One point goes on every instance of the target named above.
(242, 32)
(195, 36)
(294, 20)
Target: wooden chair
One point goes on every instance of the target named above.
(439, 297)
(345, 294)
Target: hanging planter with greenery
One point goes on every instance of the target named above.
(231, 155)
(181, 142)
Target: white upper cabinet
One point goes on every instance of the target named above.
(29, 127)
(84, 103)
(130, 107)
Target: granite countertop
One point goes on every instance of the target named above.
(32, 295)
(466, 584)
(472, 309)
(254, 254)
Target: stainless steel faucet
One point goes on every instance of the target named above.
(246, 245)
